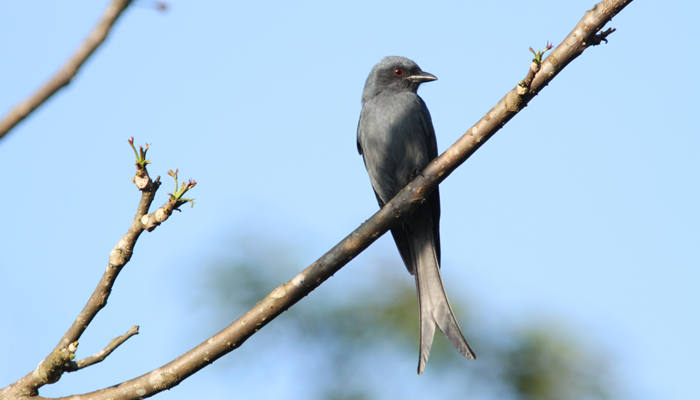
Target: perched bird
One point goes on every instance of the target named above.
(396, 139)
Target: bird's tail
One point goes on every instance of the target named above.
(434, 307)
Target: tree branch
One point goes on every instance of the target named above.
(68, 71)
(102, 354)
(584, 34)
(118, 257)
(61, 357)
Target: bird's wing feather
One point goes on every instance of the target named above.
(396, 139)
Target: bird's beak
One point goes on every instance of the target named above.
(422, 77)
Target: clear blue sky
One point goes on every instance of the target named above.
(584, 208)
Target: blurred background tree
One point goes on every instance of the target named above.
(350, 337)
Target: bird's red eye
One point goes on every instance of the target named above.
(398, 71)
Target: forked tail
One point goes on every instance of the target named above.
(434, 307)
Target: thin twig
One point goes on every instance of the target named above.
(61, 357)
(118, 257)
(408, 199)
(68, 71)
(102, 354)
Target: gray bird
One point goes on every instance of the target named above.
(396, 139)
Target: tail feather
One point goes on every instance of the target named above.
(434, 306)
(427, 333)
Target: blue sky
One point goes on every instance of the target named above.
(584, 208)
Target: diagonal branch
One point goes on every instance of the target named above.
(61, 357)
(68, 71)
(102, 354)
(118, 257)
(281, 298)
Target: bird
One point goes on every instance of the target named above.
(396, 139)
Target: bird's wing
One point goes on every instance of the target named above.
(397, 140)
(433, 201)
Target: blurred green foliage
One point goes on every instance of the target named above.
(356, 323)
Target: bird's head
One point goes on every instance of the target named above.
(395, 73)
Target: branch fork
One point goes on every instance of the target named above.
(61, 359)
